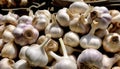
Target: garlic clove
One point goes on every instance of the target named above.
(90, 58)
(71, 39)
(21, 64)
(6, 63)
(9, 50)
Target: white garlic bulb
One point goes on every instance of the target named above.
(111, 42)
(41, 19)
(9, 50)
(90, 59)
(54, 29)
(7, 34)
(62, 17)
(21, 64)
(71, 39)
(64, 62)
(78, 7)
(6, 63)
(90, 40)
(114, 13)
(41, 59)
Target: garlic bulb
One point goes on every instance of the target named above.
(10, 18)
(54, 29)
(21, 64)
(41, 19)
(78, 7)
(90, 40)
(70, 50)
(7, 34)
(62, 17)
(71, 39)
(80, 24)
(9, 50)
(111, 42)
(116, 20)
(102, 16)
(25, 19)
(22, 52)
(64, 62)
(109, 62)
(90, 59)
(41, 59)
(2, 28)
(41, 39)
(27, 34)
(6, 63)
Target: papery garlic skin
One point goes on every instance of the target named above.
(1, 44)
(6, 63)
(9, 50)
(21, 64)
(78, 7)
(111, 42)
(62, 17)
(90, 58)
(27, 34)
(71, 39)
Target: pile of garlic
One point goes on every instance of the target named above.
(85, 35)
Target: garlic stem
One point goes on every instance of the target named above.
(94, 27)
(55, 55)
(63, 48)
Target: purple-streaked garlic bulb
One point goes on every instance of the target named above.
(102, 16)
(62, 17)
(103, 31)
(90, 59)
(90, 40)
(6, 63)
(25, 19)
(25, 34)
(111, 42)
(41, 19)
